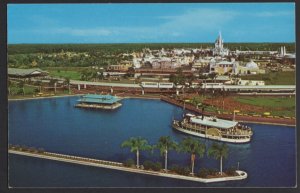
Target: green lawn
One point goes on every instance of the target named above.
(71, 74)
(287, 104)
(281, 102)
(277, 78)
(29, 90)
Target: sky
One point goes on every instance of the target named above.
(150, 23)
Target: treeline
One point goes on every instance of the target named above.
(123, 48)
(61, 60)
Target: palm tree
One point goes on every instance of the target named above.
(194, 147)
(218, 152)
(67, 81)
(135, 145)
(203, 76)
(165, 144)
(39, 84)
(53, 82)
(21, 85)
(9, 84)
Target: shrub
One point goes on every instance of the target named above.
(152, 165)
(180, 170)
(17, 147)
(129, 163)
(212, 171)
(156, 166)
(24, 148)
(231, 171)
(185, 171)
(203, 173)
(174, 168)
(147, 164)
(40, 150)
(32, 149)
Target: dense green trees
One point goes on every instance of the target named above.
(123, 48)
(83, 55)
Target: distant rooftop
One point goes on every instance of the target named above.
(25, 72)
(99, 99)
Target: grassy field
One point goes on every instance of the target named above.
(71, 74)
(29, 90)
(280, 102)
(280, 106)
(277, 78)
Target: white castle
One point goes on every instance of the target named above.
(219, 49)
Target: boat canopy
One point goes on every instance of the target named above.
(214, 122)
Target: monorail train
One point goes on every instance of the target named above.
(249, 88)
(157, 85)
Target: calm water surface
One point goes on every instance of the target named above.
(55, 125)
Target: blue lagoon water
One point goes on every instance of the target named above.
(55, 125)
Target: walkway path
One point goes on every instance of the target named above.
(119, 166)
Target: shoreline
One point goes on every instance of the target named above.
(237, 118)
(151, 97)
(268, 123)
(119, 166)
(45, 97)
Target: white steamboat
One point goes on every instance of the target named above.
(214, 128)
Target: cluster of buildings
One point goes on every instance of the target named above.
(160, 65)
(219, 60)
(233, 67)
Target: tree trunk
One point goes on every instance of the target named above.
(166, 160)
(137, 159)
(221, 165)
(69, 88)
(193, 163)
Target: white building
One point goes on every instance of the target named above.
(251, 82)
(250, 68)
(219, 47)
